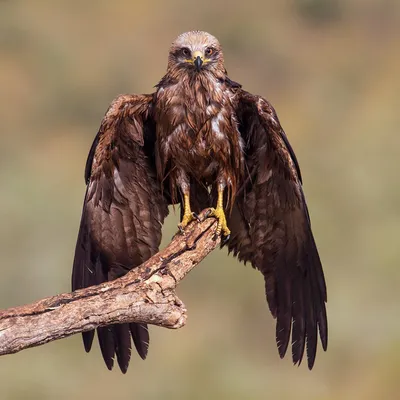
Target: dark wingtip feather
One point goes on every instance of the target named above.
(282, 348)
(323, 327)
(311, 361)
(283, 326)
(311, 322)
(106, 342)
(311, 345)
(141, 339)
(298, 325)
(122, 339)
(284, 312)
(88, 340)
(282, 335)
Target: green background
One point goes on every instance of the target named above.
(330, 68)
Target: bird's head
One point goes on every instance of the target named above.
(196, 51)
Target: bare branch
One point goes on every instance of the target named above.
(144, 295)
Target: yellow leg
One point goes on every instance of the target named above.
(219, 213)
(188, 215)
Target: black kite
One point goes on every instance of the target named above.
(200, 140)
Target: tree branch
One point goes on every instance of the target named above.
(144, 295)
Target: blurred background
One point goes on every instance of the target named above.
(330, 68)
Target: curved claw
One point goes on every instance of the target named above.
(196, 216)
(208, 213)
(225, 240)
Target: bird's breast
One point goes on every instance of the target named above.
(195, 129)
(200, 136)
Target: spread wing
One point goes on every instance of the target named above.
(122, 214)
(271, 229)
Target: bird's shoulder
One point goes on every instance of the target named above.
(121, 127)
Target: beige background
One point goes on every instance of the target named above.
(331, 69)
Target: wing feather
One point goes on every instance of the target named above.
(271, 228)
(122, 214)
(141, 338)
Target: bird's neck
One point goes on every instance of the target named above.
(199, 87)
(179, 75)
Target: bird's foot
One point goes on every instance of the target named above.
(187, 219)
(222, 227)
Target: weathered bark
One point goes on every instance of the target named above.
(145, 295)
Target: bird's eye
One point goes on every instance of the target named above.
(209, 51)
(186, 52)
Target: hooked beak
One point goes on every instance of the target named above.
(198, 60)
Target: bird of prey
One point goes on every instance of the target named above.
(200, 140)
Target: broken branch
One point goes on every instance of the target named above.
(145, 295)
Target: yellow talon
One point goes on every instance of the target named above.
(219, 213)
(222, 226)
(186, 220)
(188, 215)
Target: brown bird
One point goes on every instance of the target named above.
(200, 140)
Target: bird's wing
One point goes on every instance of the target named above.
(122, 214)
(271, 229)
